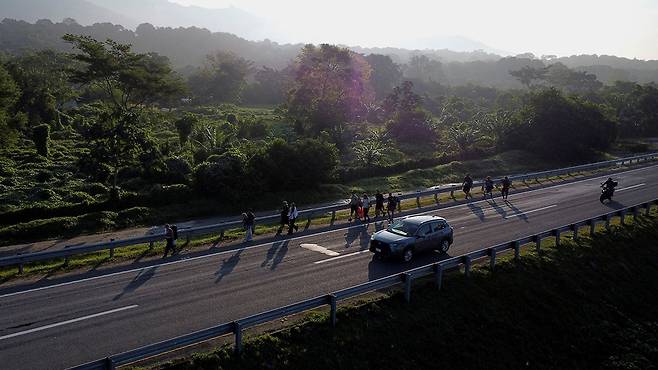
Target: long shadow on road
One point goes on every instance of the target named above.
(139, 280)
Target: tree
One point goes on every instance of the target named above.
(371, 149)
(408, 122)
(560, 76)
(44, 82)
(9, 94)
(385, 74)
(527, 75)
(555, 126)
(115, 139)
(464, 135)
(127, 79)
(423, 69)
(270, 87)
(222, 79)
(331, 87)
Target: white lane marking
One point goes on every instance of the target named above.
(68, 322)
(319, 249)
(630, 187)
(339, 257)
(531, 211)
(299, 237)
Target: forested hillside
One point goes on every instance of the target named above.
(187, 49)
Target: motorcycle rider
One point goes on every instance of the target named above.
(609, 187)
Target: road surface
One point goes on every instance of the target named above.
(82, 319)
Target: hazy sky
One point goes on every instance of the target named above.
(563, 27)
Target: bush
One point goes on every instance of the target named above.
(39, 229)
(178, 170)
(164, 195)
(97, 221)
(45, 194)
(79, 197)
(224, 177)
(93, 188)
(133, 216)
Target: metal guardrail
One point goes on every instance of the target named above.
(437, 269)
(21, 259)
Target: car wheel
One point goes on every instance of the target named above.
(408, 254)
(445, 245)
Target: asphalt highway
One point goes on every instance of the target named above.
(66, 324)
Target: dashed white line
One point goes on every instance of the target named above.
(531, 211)
(67, 322)
(631, 187)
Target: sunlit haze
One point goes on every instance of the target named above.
(624, 28)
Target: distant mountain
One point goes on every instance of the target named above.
(83, 11)
(454, 43)
(167, 14)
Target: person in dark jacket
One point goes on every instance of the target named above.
(505, 185)
(488, 187)
(467, 185)
(249, 223)
(284, 217)
(171, 242)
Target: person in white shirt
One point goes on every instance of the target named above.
(293, 213)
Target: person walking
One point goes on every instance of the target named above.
(506, 184)
(488, 186)
(467, 185)
(284, 217)
(391, 205)
(248, 221)
(293, 213)
(354, 206)
(171, 242)
(379, 204)
(365, 203)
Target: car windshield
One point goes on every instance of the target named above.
(402, 227)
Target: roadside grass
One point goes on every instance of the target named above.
(136, 253)
(586, 304)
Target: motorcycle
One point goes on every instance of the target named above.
(607, 192)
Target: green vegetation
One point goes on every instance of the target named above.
(107, 137)
(590, 304)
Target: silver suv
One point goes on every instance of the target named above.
(411, 235)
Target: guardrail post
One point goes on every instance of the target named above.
(151, 245)
(557, 237)
(636, 212)
(221, 234)
(467, 266)
(111, 249)
(592, 227)
(607, 222)
(20, 268)
(575, 228)
(438, 275)
(237, 329)
(517, 250)
(407, 286)
(622, 217)
(452, 194)
(333, 304)
(187, 239)
(436, 198)
(333, 216)
(537, 239)
(109, 364)
(418, 201)
(492, 259)
(648, 207)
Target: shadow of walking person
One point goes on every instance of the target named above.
(141, 278)
(280, 254)
(271, 253)
(227, 266)
(517, 212)
(360, 232)
(477, 210)
(500, 210)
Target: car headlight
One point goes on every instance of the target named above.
(372, 238)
